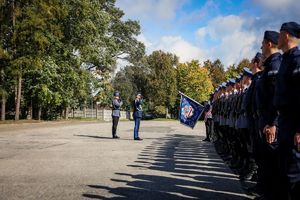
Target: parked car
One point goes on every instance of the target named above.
(148, 116)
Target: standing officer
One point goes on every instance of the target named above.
(116, 104)
(208, 120)
(137, 115)
(250, 110)
(287, 102)
(267, 114)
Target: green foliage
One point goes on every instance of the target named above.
(194, 81)
(233, 71)
(216, 71)
(64, 51)
(130, 80)
(160, 110)
(162, 78)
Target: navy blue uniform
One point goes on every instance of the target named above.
(137, 116)
(265, 91)
(267, 114)
(287, 103)
(249, 105)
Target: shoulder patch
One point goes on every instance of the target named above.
(272, 72)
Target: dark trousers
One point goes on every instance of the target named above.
(286, 131)
(209, 128)
(137, 121)
(115, 121)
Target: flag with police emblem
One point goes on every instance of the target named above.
(190, 111)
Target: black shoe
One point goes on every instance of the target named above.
(138, 138)
(248, 176)
(262, 197)
(256, 191)
(116, 137)
(206, 140)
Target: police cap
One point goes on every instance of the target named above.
(271, 36)
(238, 78)
(231, 81)
(138, 94)
(116, 93)
(223, 85)
(292, 28)
(247, 72)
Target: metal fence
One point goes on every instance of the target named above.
(101, 114)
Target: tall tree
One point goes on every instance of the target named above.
(194, 81)
(133, 79)
(233, 71)
(242, 64)
(216, 71)
(74, 42)
(162, 79)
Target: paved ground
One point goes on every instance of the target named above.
(81, 161)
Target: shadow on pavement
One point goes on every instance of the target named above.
(174, 167)
(101, 137)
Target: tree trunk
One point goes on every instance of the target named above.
(29, 115)
(66, 113)
(18, 98)
(167, 113)
(3, 103)
(3, 97)
(84, 110)
(96, 111)
(39, 113)
(19, 78)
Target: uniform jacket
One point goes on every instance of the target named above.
(137, 108)
(287, 86)
(116, 103)
(265, 89)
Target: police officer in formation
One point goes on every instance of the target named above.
(256, 117)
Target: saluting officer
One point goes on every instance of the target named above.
(137, 115)
(287, 102)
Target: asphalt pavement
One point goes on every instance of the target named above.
(80, 160)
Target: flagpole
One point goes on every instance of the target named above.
(189, 98)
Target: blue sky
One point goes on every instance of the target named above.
(208, 29)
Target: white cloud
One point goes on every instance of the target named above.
(177, 45)
(276, 12)
(144, 40)
(229, 38)
(235, 47)
(233, 42)
(199, 14)
(201, 33)
(278, 5)
(148, 9)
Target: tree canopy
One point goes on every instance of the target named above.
(57, 55)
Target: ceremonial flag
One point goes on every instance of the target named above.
(190, 111)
